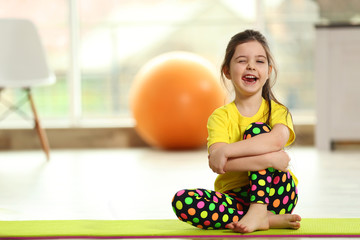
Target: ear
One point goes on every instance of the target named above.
(270, 69)
(226, 72)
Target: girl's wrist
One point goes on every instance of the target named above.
(270, 157)
(226, 151)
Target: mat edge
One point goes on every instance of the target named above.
(184, 236)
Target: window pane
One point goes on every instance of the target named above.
(50, 17)
(291, 32)
(119, 37)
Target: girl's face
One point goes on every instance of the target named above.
(249, 69)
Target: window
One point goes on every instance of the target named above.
(114, 38)
(290, 26)
(51, 19)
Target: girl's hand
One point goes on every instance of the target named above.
(280, 160)
(217, 160)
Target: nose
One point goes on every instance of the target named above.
(250, 66)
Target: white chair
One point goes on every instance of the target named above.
(23, 65)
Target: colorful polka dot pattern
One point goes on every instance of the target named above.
(283, 193)
(269, 186)
(208, 209)
(273, 187)
(255, 129)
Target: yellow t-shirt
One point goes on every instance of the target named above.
(227, 125)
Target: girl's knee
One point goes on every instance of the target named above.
(178, 198)
(205, 208)
(183, 200)
(177, 201)
(256, 128)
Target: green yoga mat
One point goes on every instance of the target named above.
(311, 227)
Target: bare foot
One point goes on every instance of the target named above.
(255, 219)
(284, 221)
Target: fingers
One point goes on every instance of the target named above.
(217, 170)
(288, 161)
(285, 161)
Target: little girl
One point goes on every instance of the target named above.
(254, 189)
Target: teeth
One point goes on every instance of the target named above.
(250, 77)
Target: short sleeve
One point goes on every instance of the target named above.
(280, 115)
(217, 127)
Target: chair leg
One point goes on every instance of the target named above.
(40, 131)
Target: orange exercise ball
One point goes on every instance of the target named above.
(171, 99)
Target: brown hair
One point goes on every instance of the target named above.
(247, 36)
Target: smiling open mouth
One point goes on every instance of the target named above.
(249, 78)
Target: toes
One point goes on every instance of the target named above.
(246, 230)
(295, 225)
(243, 229)
(230, 226)
(296, 218)
(240, 228)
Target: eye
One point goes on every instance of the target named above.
(260, 61)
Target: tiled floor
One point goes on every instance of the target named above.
(140, 183)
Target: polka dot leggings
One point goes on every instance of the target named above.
(208, 209)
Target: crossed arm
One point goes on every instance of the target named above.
(254, 154)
